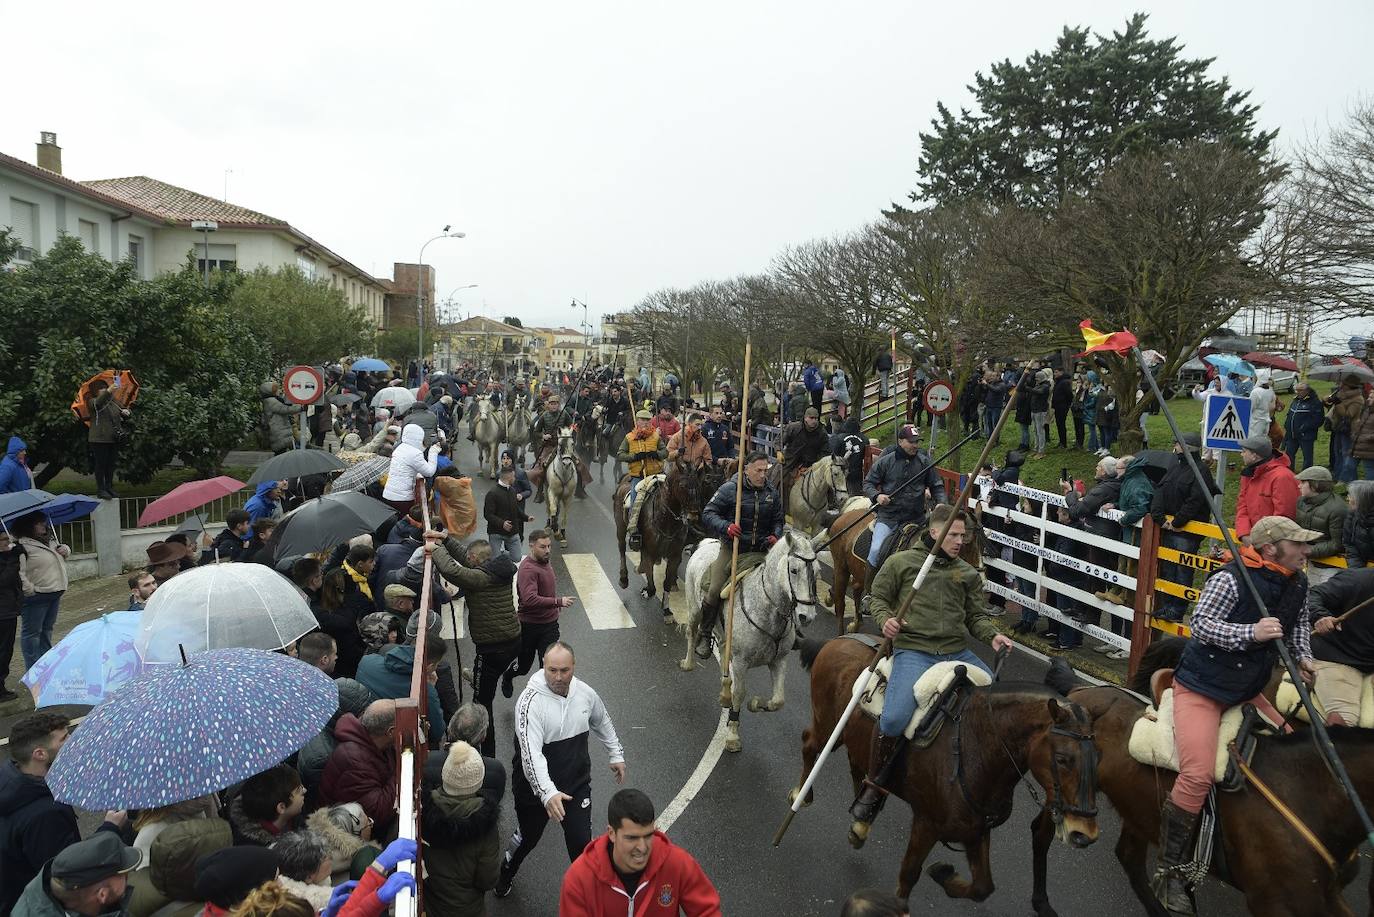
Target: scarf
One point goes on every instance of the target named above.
(361, 580)
(1252, 559)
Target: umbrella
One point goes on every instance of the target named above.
(394, 397)
(89, 664)
(1272, 361)
(68, 507)
(1157, 463)
(370, 365)
(371, 469)
(185, 497)
(222, 605)
(123, 386)
(346, 400)
(1229, 363)
(21, 503)
(320, 524)
(1342, 371)
(193, 524)
(295, 463)
(177, 732)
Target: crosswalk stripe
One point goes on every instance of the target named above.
(599, 597)
(677, 599)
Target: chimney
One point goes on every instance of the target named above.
(49, 153)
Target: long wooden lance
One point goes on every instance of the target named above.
(862, 687)
(1319, 733)
(726, 688)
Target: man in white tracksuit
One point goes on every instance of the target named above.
(552, 765)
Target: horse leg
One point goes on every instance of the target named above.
(689, 662)
(620, 547)
(812, 743)
(1042, 832)
(979, 885)
(858, 582)
(917, 849)
(732, 740)
(778, 670)
(1131, 851)
(839, 585)
(670, 571)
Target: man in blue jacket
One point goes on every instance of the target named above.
(1301, 424)
(815, 384)
(718, 436)
(265, 502)
(759, 528)
(906, 461)
(14, 468)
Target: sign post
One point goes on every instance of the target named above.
(938, 400)
(302, 385)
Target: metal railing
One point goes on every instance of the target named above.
(130, 508)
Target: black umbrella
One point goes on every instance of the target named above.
(320, 524)
(296, 463)
(1157, 463)
(345, 400)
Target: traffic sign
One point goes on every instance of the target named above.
(303, 385)
(938, 398)
(1226, 421)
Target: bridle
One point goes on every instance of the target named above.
(795, 622)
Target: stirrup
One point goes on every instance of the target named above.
(704, 640)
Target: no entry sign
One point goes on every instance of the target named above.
(938, 398)
(303, 385)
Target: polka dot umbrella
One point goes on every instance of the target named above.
(177, 732)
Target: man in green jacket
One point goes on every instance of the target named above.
(933, 629)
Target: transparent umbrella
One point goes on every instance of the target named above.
(219, 606)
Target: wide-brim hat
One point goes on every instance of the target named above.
(167, 552)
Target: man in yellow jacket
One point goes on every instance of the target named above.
(642, 452)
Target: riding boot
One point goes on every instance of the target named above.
(632, 539)
(710, 611)
(1170, 885)
(539, 497)
(886, 752)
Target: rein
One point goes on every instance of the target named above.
(792, 595)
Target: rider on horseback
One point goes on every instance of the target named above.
(616, 406)
(688, 444)
(545, 432)
(718, 435)
(584, 402)
(642, 453)
(1228, 661)
(893, 469)
(803, 443)
(760, 526)
(949, 605)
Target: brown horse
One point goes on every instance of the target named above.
(667, 519)
(961, 786)
(1276, 870)
(848, 571)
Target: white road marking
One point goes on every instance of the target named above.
(705, 766)
(599, 598)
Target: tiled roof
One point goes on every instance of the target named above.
(179, 204)
(62, 181)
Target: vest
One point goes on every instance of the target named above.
(651, 463)
(1233, 676)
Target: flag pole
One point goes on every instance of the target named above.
(1319, 732)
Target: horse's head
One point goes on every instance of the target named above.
(837, 481)
(483, 408)
(686, 483)
(1064, 762)
(565, 442)
(801, 574)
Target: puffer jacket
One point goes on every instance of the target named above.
(892, 469)
(1084, 510)
(1362, 435)
(42, 568)
(1136, 492)
(358, 771)
(1359, 539)
(277, 413)
(1267, 488)
(459, 869)
(1178, 495)
(408, 460)
(487, 589)
(1040, 392)
(1346, 406)
(1324, 513)
(761, 515)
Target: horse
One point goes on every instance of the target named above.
(773, 602)
(561, 477)
(611, 435)
(670, 514)
(587, 436)
(517, 423)
(849, 571)
(487, 431)
(1268, 862)
(819, 489)
(962, 785)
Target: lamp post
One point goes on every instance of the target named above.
(420, 294)
(206, 227)
(446, 317)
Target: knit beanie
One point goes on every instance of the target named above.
(463, 770)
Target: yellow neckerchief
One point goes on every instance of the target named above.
(1251, 558)
(361, 580)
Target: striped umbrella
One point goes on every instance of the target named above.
(359, 476)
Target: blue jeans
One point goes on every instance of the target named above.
(1025, 435)
(881, 532)
(1092, 438)
(39, 613)
(1106, 436)
(508, 543)
(907, 668)
(1291, 447)
(1340, 454)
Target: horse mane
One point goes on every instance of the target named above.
(1162, 653)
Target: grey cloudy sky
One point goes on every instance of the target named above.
(594, 149)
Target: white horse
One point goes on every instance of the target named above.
(487, 431)
(820, 489)
(518, 428)
(773, 603)
(561, 477)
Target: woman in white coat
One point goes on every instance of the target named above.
(408, 460)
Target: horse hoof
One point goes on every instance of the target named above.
(755, 705)
(810, 797)
(941, 873)
(732, 744)
(687, 664)
(624, 582)
(667, 615)
(858, 834)
(562, 542)
(853, 626)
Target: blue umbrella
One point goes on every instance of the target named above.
(370, 365)
(21, 503)
(180, 731)
(89, 664)
(69, 507)
(1229, 363)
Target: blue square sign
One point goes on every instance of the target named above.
(1226, 421)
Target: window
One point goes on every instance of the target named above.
(90, 235)
(24, 228)
(306, 265)
(136, 253)
(222, 257)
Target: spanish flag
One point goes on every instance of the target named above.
(1115, 341)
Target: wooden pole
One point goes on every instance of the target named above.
(726, 688)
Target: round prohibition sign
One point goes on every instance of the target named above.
(938, 398)
(302, 385)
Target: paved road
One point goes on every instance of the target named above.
(667, 720)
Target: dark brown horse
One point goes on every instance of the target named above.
(668, 517)
(848, 571)
(1276, 870)
(961, 786)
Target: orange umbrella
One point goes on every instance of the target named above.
(122, 384)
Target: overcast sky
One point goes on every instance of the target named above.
(594, 150)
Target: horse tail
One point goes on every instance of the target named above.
(1162, 653)
(811, 648)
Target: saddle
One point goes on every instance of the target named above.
(747, 563)
(1286, 699)
(938, 695)
(899, 540)
(645, 487)
(1152, 737)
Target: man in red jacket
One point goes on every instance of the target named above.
(634, 869)
(362, 768)
(1268, 486)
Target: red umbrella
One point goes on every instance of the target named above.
(1271, 360)
(186, 497)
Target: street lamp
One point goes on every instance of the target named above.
(586, 327)
(206, 227)
(420, 293)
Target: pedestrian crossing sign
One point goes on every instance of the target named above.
(1226, 421)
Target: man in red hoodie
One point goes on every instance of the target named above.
(634, 869)
(540, 606)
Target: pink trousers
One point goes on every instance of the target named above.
(1197, 718)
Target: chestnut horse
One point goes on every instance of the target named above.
(961, 786)
(670, 515)
(1276, 870)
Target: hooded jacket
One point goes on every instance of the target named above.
(460, 868)
(14, 474)
(408, 460)
(1137, 492)
(388, 674)
(1359, 539)
(551, 739)
(11, 583)
(1179, 496)
(1267, 488)
(260, 505)
(277, 414)
(487, 591)
(34, 828)
(672, 883)
(342, 846)
(358, 771)
(107, 420)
